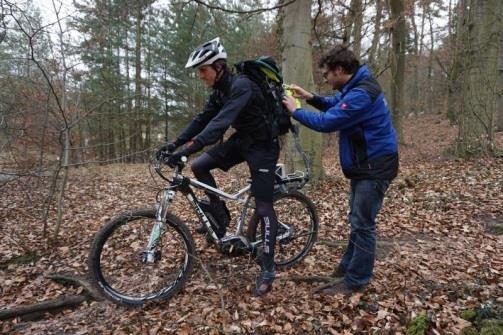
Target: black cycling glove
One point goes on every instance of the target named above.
(173, 159)
(168, 149)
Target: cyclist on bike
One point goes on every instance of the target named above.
(238, 102)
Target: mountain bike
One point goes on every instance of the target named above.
(148, 254)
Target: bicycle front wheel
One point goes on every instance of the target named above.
(116, 263)
(297, 227)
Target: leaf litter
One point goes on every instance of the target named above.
(443, 260)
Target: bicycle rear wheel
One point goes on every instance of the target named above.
(115, 260)
(297, 227)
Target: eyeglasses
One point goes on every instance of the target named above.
(325, 74)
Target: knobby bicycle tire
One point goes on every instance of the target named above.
(129, 263)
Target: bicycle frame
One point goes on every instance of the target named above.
(184, 184)
(242, 196)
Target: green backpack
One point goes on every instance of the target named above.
(266, 74)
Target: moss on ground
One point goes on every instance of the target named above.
(468, 315)
(469, 331)
(418, 325)
(486, 320)
(492, 327)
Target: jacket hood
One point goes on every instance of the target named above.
(362, 73)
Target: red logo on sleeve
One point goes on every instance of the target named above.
(344, 105)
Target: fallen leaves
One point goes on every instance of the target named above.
(441, 262)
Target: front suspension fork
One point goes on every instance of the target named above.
(149, 255)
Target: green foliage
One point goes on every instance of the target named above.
(168, 94)
(495, 228)
(418, 325)
(468, 314)
(491, 327)
(483, 318)
(186, 26)
(469, 331)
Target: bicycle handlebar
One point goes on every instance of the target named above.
(158, 164)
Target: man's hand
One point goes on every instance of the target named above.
(170, 147)
(165, 150)
(173, 159)
(289, 103)
(299, 92)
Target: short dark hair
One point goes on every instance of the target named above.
(340, 56)
(219, 64)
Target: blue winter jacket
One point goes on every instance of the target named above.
(368, 146)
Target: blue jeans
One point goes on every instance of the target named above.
(365, 201)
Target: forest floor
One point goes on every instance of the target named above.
(445, 256)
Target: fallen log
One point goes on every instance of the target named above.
(37, 311)
(75, 281)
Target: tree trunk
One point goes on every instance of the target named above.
(480, 78)
(119, 126)
(130, 128)
(166, 103)
(297, 68)
(45, 123)
(414, 98)
(356, 34)
(499, 106)
(373, 58)
(421, 99)
(430, 82)
(398, 35)
(62, 188)
(453, 80)
(137, 136)
(65, 132)
(148, 113)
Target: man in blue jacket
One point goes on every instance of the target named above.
(368, 153)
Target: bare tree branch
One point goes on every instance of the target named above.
(253, 11)
(318, 13)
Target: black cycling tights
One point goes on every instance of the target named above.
(202, 166)
(269, 226)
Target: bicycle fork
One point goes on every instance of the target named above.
(151, 255)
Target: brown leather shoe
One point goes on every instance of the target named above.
(340, 288)
(338, 273)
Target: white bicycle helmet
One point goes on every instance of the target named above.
(206, 54)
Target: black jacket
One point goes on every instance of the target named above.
(235, 101)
